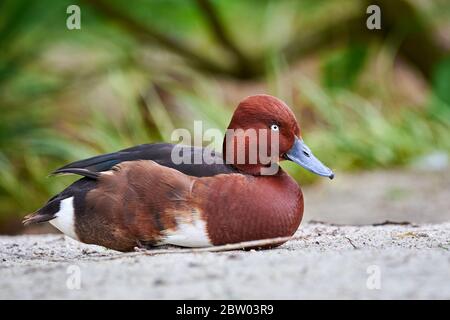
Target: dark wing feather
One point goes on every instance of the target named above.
(82, 172)
(158, 152)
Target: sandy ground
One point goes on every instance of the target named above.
(322, 261)
(372, 197)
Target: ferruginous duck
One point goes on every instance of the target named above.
(141, 197)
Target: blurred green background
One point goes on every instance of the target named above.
(136, 70)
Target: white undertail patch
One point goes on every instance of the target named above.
(192, 233)
(65, 218)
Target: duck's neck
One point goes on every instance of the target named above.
(257, 169)
(238, 156)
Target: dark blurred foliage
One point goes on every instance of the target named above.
(138, 69)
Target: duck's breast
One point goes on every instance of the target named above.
(240, 207)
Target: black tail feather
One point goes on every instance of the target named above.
(46, 213)
(35, 217)
(77, 190)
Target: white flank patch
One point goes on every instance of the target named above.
(65, 218)
(190, 234)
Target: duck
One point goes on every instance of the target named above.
(140, 197)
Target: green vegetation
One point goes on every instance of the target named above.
(133, 73)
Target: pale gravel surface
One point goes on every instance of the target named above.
(369, 197)
(414, 262)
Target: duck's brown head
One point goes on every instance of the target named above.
(264, 130)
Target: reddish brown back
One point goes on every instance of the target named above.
(138, 201)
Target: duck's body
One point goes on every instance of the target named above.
(140, 197)
(141, 203)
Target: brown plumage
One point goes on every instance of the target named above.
(140, 197)
(140, 200)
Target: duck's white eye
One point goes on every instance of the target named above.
(274, 127)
